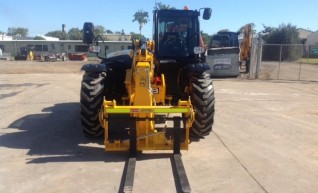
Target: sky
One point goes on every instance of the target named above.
(42, 16)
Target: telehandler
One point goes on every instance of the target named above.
(134, 96)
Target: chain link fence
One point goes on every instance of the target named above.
(284, 62)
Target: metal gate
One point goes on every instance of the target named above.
(283, 62)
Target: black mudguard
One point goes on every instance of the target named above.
(94, 68)
(117, 61)
(199, 68)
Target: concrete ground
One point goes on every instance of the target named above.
(265, 139)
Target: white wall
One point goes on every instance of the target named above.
(312, 39)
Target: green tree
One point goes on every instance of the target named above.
(137, 36)
(142, 18)
(224, 30)
(75, 34)
(206, 37)
(161, 6)
(12, 31)
(38, 38)
(99, 30)
(284, 34)
(267, 29)
(109, 31)
(58, 34)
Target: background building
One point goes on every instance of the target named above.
(312, 39)
(303, 34)
(43, 47)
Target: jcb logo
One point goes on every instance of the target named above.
(142, 81)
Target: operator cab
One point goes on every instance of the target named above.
(224, 39)
(177, 33)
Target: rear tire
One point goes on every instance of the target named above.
(92, 93)
(202, 98)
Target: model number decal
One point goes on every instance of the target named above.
(222, 67)
(155, 90)
(222, 61)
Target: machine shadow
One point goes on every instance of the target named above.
(55, 136)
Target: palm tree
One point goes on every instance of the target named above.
(161, 6)
(142, 18)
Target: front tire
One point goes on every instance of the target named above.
(202, 98)
(92, 93)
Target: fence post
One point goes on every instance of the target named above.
(15, 49)
(259, 55)
(280, 59)
(301, 57)
(41, 51)
(252, 60)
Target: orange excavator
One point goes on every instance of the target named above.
(245, 48)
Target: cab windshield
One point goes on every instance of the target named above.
(176, 37)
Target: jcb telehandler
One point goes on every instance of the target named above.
(132, 95)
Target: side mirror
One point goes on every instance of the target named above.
(207, 13)
(94, 49)
(88, 33)
(198, 50)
